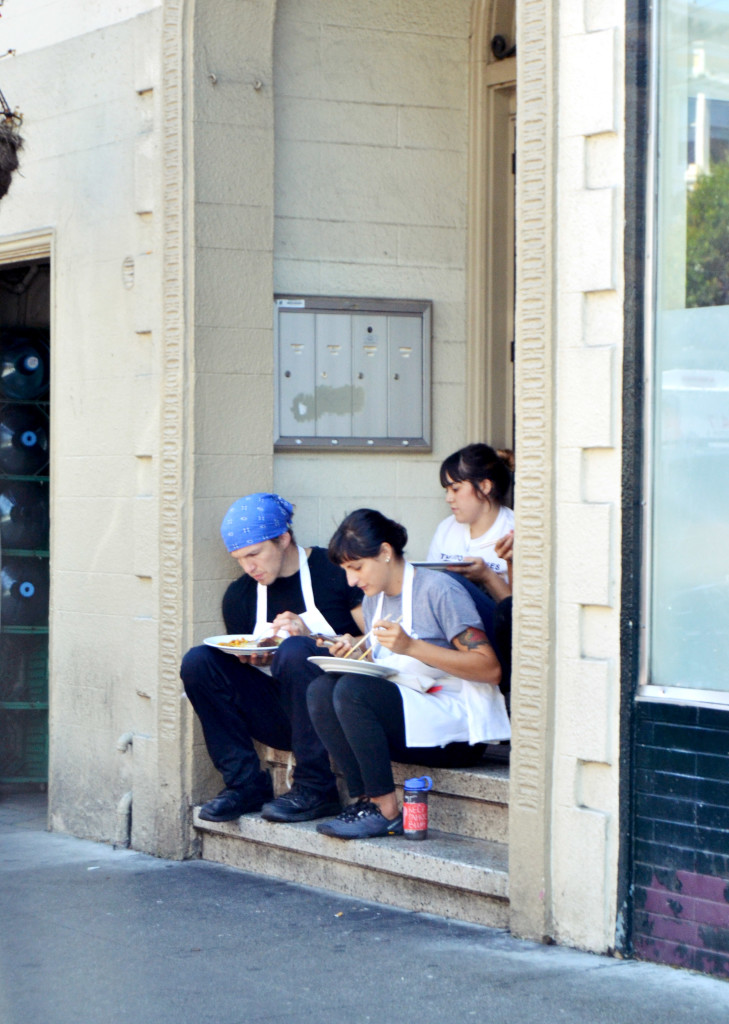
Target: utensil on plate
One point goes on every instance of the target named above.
(371, 633)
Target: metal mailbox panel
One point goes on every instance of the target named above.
(405, 370)
(352, 373)
(369, 365)
(333, 375)
(297, 375)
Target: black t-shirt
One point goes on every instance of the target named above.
(332, 596)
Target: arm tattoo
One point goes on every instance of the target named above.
(473, 638)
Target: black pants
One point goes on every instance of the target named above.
(237, 704)
(502, 637)
(362, 722)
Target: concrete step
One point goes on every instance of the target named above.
(460, 871)
(452, 875)
(471, 802)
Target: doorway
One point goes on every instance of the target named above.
(24, 521)
(492, 254)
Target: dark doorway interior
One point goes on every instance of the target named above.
(24, 522)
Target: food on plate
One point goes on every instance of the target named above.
(243, 643)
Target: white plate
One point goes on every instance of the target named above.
(351, 665)
(223, 644)
(441, 565)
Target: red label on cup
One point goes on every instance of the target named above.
(414, 817)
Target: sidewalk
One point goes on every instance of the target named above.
(91, 935)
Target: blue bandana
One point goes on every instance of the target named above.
(255, 518)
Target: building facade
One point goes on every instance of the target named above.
(185, 164)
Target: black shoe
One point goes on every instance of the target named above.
(361, 820)
(301, 804)
(229, 804)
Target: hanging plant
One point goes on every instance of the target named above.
(11, 142)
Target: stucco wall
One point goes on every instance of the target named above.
(85, 82)
(371, 106)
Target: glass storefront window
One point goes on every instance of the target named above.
(689, 576)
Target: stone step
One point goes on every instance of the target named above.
(452, 875)
(471, 802)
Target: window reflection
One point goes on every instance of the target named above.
(690, 501)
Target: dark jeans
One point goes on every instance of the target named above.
(237, 704)
(502, 638)
(496, 618)
(361, 721)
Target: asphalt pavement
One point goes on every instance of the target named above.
(93, 935)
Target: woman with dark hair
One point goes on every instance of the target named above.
(477, 540)
(480, 530)
(442, 703)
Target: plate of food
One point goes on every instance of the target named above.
(244, 643)
(352, 665)
(452, 564)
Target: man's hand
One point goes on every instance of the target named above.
(290, 623)
(257, 660)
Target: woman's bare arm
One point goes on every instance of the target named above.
(471, 657)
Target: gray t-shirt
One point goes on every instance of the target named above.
(442, 608)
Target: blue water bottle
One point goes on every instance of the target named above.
(415, 807)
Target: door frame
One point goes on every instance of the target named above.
(492, 85)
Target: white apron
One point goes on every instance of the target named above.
(463, 711)
(312, 617)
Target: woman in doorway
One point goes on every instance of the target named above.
(477, 539)
(442, 703)
(477, 480)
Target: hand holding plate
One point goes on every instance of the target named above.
(257, 660)
(344, 646)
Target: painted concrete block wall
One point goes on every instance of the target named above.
(371, 107)
(90, 123)
(588, 387)
(232, 419)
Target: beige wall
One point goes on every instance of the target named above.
(371, 104)
(231, 175)
(89, 179)
(230, 418)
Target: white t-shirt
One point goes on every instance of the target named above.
(452, 541)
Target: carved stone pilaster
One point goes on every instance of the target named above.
(170, 829)
(532, 664)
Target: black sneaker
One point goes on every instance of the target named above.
(229, 804)
(301, 804)
(361, 820)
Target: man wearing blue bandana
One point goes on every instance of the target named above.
(296, 591)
